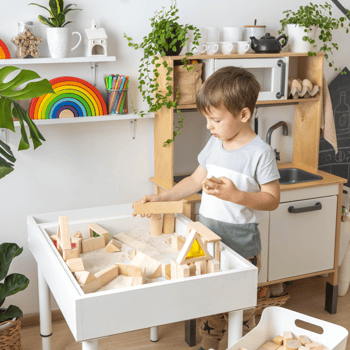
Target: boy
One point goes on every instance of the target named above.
(247, 167)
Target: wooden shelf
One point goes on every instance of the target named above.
(268, 103)
(246, 55)
(101, 118)
(50, 60)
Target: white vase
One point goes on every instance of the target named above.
(295, 37)
(7, 325)
(59, 41)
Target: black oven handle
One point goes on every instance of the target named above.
(317, 206)
(282, 64)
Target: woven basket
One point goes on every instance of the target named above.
(10, 338)
(274, 301)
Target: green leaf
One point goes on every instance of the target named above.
(45, 21)
(6, 152)
(13, 284)
(8, 251)
(55, 7)
(10, 313)
(94, 234)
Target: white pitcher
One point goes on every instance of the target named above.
(59, 41)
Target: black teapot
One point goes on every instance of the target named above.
(268, 43)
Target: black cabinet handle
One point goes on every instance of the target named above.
(317, 206)
(281, 64)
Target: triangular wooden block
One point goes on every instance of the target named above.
(193, 250)
(84, 277)
(111, 248)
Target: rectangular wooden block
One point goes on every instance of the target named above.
(78, 241)
(287, 336)
(166, 271)
(108, 274)
(303, 348)
(208, 236)
(129, 270)
(278, 340)
(91, 244)
(304, 340)
(270, 346)
(313, 345)
(158, 208)
(214, 266)
(75, 264)
(92, 286)
(177, 242)
(168, 223)
(99, 230)
(70, 254)
(64, 232)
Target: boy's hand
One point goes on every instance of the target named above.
(145, 199)
(226, 191)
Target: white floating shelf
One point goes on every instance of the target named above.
(101, 118)
(50, 60)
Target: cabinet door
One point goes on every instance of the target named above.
(302, 243)
(264, 235)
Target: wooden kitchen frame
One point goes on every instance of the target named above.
(306, 138)
(100, 314)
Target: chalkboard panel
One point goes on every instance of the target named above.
(338, 164)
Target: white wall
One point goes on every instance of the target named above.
(97, 164)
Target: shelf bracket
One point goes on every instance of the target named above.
(133, 128)
(94, 72)
(4, 135)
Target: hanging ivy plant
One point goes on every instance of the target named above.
(167, 37)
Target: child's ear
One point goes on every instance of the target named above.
(245, 115)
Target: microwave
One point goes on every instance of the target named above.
(271, 73)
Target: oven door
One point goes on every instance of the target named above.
(271, 73)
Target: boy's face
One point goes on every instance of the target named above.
(223, 125)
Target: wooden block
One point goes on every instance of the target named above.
(78, 234)
(152, 266)
(129, 270)
(99, 230)
(287, 336)
(303, 348)
(208, 236)
(166, 271)
(111, 248)
(64, 232)
(91, 244)
(78, 243)
(214, 266)
(270, 346)
(108, 274)
(117, 243)
(177, 242)
(198, 268)
(92, 286)
(158, 208)
(313, 345)
(156, 225)
(132, 254)
(293, 344)
(75, 264)
(278, 340)
(84, 277)
(70, 254)
(304, 340)
(168, 223)
(182, 271)
(173, 270)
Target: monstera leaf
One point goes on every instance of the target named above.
(13, 283)
(9, 92)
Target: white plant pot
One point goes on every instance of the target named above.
(7, 325)
(59, 41)
(295, 37)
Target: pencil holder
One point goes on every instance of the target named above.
(117, 101)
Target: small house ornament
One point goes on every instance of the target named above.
(95, 41)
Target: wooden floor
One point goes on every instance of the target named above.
(307, 296)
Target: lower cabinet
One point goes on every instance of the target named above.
(302, 237)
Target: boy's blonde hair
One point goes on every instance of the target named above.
(230, 87)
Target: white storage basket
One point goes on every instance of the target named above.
(275, 320)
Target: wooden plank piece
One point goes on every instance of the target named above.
(158, 208)
(64, 232)
(107, 275)
(70, 254)
(208, 236)
(93, 227)
(75, 264)
(91, 244)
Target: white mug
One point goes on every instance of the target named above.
(212, 34)
(227, 47)
(242, 46)
(212, 48)
(59, 41)
(231, 34)
(198, 49)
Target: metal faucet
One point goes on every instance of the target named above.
(269, 133)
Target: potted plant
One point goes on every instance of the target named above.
(58, 35)
(167, 37)
(302, 27)
(9, 108)
(12, 284)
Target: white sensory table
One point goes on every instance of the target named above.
(100, 314)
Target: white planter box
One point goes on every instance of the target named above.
(111, 312)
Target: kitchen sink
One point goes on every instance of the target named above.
(294, 176)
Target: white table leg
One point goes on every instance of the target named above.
(235, 326)
(90, 345)
(154, 334)
(45, 312)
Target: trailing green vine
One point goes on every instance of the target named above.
(167, 38)
(321, 17)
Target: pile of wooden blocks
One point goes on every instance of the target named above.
(27, 44)
(288, 342)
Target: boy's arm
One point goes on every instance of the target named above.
(266, 200)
